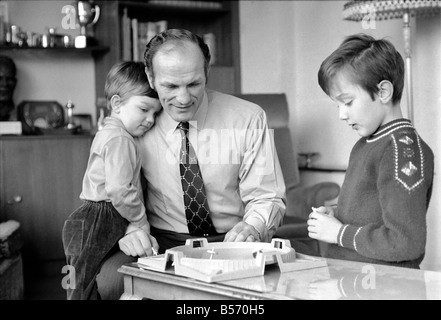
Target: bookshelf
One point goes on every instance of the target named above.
(220, 19)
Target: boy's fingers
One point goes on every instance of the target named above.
(314, 215)
(138, 248)
(322, 209)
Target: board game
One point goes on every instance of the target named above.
(220, 261)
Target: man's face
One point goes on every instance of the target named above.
(7, 82)
(179, 79)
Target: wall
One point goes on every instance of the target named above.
(284, 54)
(426, 64)
(47, 75)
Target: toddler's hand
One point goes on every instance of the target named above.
(138, 243)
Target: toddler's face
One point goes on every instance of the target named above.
(138, 114)
(355, 106)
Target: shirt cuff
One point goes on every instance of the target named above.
(260, 226)
(141, 224)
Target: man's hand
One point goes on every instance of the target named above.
(242, 232)
(138, 243)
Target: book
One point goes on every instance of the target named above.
(126, 34)
(143, 33)
(161, 25)
(135, 47)
(146, 31)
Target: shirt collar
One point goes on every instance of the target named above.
(388, 128)
(113, 122)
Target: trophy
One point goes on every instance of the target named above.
(88, 13)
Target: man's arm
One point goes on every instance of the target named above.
(261, 185)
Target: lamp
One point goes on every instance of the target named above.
(366, 11)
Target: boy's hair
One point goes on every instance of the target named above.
(127, 79)
(368, 62)
(175, 35)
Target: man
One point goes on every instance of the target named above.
(8, 82)
(234, 150)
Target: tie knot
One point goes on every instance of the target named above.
(184, 126)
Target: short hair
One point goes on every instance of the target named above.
(5, 60)
(368, 61)
(127, 79)
(175, 35)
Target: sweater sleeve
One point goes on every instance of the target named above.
(404, 184)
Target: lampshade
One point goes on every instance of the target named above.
(365, 11)
(382, 10)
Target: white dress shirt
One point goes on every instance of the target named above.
(238, 161)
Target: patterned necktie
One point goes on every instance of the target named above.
(195, 199)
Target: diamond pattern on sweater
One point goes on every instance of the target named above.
(409, 169)
(406, 140)
(408, 158)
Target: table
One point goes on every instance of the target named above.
(339, 280)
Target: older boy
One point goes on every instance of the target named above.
(381, 212)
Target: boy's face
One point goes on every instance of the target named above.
(138, 114)
(355, 106)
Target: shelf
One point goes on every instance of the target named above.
(170, 9)
(93, 49)
(221, 19)
(46, 136)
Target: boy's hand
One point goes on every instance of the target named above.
(138, 243)
(323, 226)
(326, 210)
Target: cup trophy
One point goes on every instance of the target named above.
(88, 13)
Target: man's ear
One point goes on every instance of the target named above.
(115, 103)
(150, 78)
(385, 91)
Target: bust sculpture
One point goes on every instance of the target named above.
(8, 82)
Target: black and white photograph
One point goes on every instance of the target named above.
(220, 155)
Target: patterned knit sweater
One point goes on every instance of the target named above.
(384, 198)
